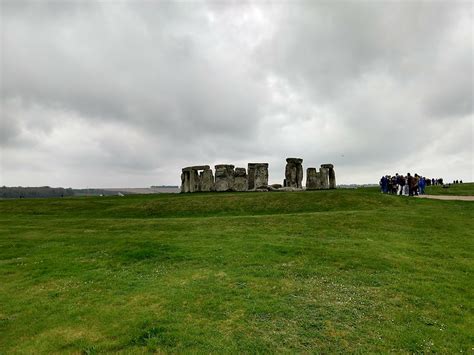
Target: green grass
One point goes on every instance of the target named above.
(322, 271)
(465, 189)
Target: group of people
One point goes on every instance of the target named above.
(406, 185)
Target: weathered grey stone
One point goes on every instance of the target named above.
(251, 176)
(294, 160)
(289, 189)
(324, 178)
(240, 179)
(183, 181)
(224, 179)
(332, 178)
(257, 175)
(196, 167)
(207, 180)
(276, 186)
(195, 181)
(261, 175)
(186, 181)
(329, 166)
(293, 172)
(271, 188)
(313, 181)
(191, 180)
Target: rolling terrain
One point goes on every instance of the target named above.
(320, 271)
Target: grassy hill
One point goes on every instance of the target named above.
(322, 271)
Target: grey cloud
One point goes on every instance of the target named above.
(136, 90)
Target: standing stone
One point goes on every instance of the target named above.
(331, 175)
(251, 176)
(332, 179)
(240, 179)
(293, 173)
(185, 180)
(224, 177)
(182, 182)
(261, 175)
(313, 181)
(257, 175)
(324, 177)
(207, 181)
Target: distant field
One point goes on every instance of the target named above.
(321, 271)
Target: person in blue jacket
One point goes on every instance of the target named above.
(421, 185)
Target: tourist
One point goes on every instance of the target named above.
(401, 183)
(422, 185)
(383, 184)
(394, 186)
(411, 182)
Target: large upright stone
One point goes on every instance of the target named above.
(207, 181)
(251, 176)
(332, 179)
(313, 179)
(324, 177)
(184, 183)
(224, 177)
(331, 175)
(261, 175)
(257, 175)
(293, 173)
(240, 179)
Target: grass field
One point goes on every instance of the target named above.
(322, 271)
(454, 189)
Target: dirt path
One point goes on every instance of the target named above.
(448, 197)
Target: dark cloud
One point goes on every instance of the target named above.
(113, 93)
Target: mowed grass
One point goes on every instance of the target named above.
(322, 271)
(464, 189)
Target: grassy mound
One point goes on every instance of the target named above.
(323, 271)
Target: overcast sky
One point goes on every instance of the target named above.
(126, 93)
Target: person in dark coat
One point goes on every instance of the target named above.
(401, 182)
(411, 184)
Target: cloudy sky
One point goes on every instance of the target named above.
(126, 93)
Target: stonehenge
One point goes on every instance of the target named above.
(227, 177)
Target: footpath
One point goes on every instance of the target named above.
(448, 197)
